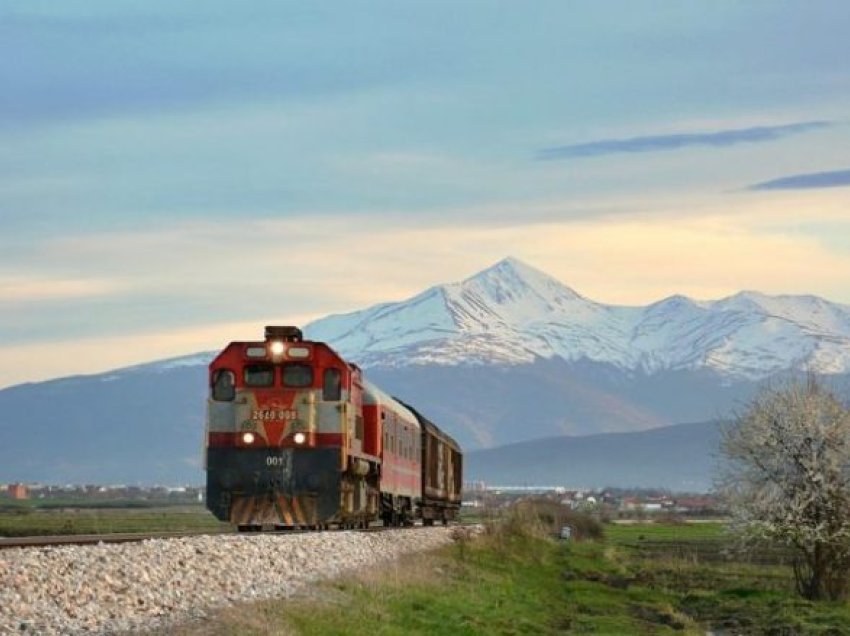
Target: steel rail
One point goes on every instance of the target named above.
(94, 539)
(136, 537)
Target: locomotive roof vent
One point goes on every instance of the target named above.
(287, 334)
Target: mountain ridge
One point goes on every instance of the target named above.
(512, 313)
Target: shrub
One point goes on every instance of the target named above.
(541, 518)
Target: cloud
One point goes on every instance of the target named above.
(29, 289)
(50, 358)
(658, 143)
(809, 181)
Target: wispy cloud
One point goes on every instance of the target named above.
(658, 143)
(810, 181)
(20, 290)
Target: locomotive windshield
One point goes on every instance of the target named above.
(259, 375)
(297, 375)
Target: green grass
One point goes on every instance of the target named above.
(27, 521)
(515, 580)
(724, 592)
(633, 532)
(494, 586)
(485, 591)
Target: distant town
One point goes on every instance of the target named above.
(607, 502)
(90, 493)
(611, 502)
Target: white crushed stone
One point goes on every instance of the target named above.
(135, 586)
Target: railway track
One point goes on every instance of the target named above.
(94, 539)
(135, 537)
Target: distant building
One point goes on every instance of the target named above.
(697, 504)
(18, 491)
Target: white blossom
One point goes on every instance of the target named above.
(787, 479)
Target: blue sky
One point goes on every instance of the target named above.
(173, 176)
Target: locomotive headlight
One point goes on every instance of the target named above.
(299, 438)
(248, 438)
(276, 348)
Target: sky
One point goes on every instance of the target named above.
(174, 176)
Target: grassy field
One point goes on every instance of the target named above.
(24, 521)
(516, 580)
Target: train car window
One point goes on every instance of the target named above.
(332, 385)
(297, 375)
(259, 375)
(223, 385)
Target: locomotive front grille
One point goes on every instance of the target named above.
(288, 487)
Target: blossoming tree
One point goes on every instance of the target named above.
(787, 479)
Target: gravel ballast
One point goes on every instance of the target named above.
(135, 586)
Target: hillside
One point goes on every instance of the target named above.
(680, 458)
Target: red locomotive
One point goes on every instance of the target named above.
(296, 437)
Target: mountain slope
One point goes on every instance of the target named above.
(140, 425)
(484, 406)
(682, 457)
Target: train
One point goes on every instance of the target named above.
(297, 437)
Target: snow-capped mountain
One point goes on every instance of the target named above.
(512, 313)
(506, 356)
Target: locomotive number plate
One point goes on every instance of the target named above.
(265, 415)
(277, 461)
